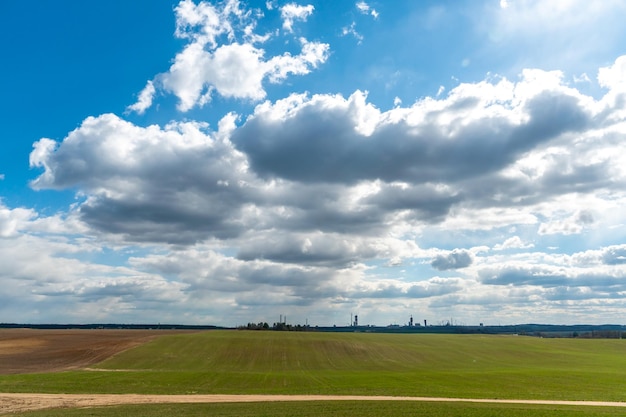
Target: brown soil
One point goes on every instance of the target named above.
(34, 350)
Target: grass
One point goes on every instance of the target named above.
(333, 408)
(244, 362)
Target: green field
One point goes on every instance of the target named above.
(335, 409)
(247, 362)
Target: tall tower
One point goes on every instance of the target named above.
(356, 320)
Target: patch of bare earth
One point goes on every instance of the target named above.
(36, 350)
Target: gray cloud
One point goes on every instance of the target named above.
(175, 185)
(523, 275)
(331, 139)
(548, 276)
(433, 287)
(319, 203)
(455, 259)
(316, 249)
(615, 255)
(425, 202)
(331, 171)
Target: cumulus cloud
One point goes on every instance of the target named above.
(556, 276)
(613, 76)
(291, 12)
(452, 260)
(174, 184)
(223, 56)
(320, 202)
(321, 199)
(12, 221)
(574, 224)
(472, 159)
(478, 128)
(325, 249)
(513, 243)
(64, 283)
(614, 255)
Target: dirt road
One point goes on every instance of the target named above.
(15, 403)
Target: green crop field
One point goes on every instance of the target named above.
(335, 409)
(248, 362)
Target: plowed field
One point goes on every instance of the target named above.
(30, 350)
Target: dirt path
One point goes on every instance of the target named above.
(15, 403)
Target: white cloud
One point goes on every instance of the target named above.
(614, 76)
(48, 275)
(513, 243)
(318, 199)
(145, 99)
(292, 12)
(204, 23)
(12, 221)
(223, 56)
(351, 30)
(178, 172)
(313, 54)
(513, 118)
(582, 78)
(367, 9)
(489, 154)
(574, 224)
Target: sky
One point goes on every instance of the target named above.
(240, 161)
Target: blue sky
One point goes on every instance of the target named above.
(226, 162)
